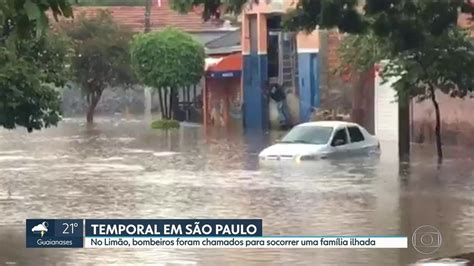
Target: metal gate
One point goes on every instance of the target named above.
(189, 107)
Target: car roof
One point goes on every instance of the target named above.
(334, 124)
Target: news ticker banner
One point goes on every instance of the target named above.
(182, 233)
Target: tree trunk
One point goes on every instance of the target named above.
(160, 98)
(165, 100)
(93, 99)
(439, 147)
(147, 26)
(170, 108)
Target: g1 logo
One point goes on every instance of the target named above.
(426, 239)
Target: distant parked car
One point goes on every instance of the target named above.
(322, 139)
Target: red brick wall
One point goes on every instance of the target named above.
(350, 94)
(161, 16)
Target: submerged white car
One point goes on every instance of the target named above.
(322, 139)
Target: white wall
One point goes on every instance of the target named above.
(386, 110)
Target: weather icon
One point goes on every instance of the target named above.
(41, 228)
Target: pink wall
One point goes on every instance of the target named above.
(262, 33)
(308, 42)
(457, 118)
(245, 37)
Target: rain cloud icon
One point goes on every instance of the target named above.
(41, 228)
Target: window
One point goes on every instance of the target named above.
(282, 57)
(273, 55)
(340, 138)
(356, 135)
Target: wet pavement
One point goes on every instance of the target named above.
(123, 169)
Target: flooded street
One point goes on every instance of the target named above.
(124, 169)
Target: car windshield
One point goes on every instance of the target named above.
(308, 134)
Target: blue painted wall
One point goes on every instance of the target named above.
(255, 76)
(308, 72)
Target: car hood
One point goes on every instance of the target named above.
(291, 150)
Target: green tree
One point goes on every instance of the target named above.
(167, 60)
(445, 63)
(414, 36)
(30, 71)
(32, 63)
(102, 56)
(21, 17)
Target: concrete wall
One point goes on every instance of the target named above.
(113, 100)
(116, 100)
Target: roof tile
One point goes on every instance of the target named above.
(161, 16)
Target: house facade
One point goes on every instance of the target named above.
(132, 14)
(272, 56)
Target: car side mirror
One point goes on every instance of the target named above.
(339, 142)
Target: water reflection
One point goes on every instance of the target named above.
(123, 169)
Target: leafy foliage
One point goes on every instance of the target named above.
(101, 58)
(211, 8)
(21, 17)
(360, 53)
(28, 76)
(32, 63)
(308, 14)
(167, 60)
(445, 63)
(406, 24)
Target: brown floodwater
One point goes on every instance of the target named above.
(123, 169)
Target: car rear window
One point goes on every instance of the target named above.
(355, 134)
